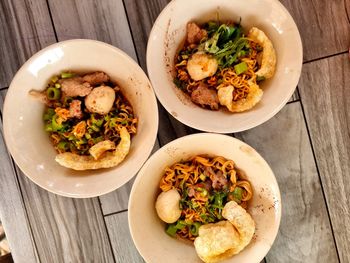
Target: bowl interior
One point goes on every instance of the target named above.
(148, 231)
(169, 32)
(29, 143)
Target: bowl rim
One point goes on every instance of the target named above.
(202, 127)
(169, 145)
(6, 118)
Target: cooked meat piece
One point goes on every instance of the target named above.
(96, 78)
(75, 109)
(207, 185)
(219, 180)
(205, 97)
(194, 33)
(41, 96)
(191, 191)
(100, 100)
(74, 87)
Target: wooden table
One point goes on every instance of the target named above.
(307, 143)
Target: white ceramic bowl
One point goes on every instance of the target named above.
(148, 231)
(24, 131)
(169, 31)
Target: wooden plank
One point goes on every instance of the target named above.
(118, 200)
(104, 20)
(25, 28)
(122, 244)
(64, 229)
(322, 35)
(305, 233)
(295, 96)
(12, 211)
(324, 90)
(141, 15)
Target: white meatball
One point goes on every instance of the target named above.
(201, 66)
(100, 100)
(168, 206)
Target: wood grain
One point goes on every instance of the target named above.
(12, 211)
(25, 28)
(323, 25)
(328, 118)
(123, 246)
(67, 230)
(63, 229)
(101, 20)
(305, 233)
(118, 200)
(141, 15)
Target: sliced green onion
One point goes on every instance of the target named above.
(48, 114)
(95, 128)
(98, 139)
(180, 224)
(241, 68)
(260, 78)
(237, 194)
(87, 136)
(194, 228)
(171, 230)
(53, 93)
(55, 125)
(113, 122)
(124, 122)
(54, 79)
(48, 127)
(57, 86)
(97, 122)
(63, 146)
(66, 75)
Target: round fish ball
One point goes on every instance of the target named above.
(168, 206)
(100, 100)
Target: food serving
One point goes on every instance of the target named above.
(219, 66)
(88, 119)
(204, 200)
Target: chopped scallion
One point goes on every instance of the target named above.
(241, 68)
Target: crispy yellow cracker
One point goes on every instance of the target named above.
(110, 159)
(268, 62)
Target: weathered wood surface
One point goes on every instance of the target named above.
(122, 244)
(101, 20)
(12, 210)
(323, 25)
(328, 118)
(25, 28)
(305, 233)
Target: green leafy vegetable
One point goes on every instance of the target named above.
(180, 84)
(227, 44)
